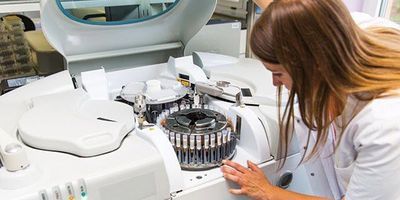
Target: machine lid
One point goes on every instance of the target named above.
(73, 123)
(170, 29)
(156, 91)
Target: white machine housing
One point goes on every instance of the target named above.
(138, 164)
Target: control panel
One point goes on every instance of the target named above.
(69, 191)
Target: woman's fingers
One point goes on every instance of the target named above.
(229, 170)
(233, 178)
(236, 166)
(236, 191)
(254, 167)
(251, 180)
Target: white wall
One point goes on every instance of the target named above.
(371, 7)
(354, 5)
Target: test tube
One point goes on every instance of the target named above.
(219, 146)
(185, 149)
(198, 142)
(191, 150)
(212, 151)
(192, 142)
(178, 140)
(175, 107)
(184, 141)
(206, 141)
(206, 150)
(224, 136)
(172, 138)
(212, 144)
(182, 106)
(224, 145)
(219, 138)
(166, 113)
(167, 133)
(228, 137)
(198, 152)
(178, 147)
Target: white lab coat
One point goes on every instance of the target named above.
(366, 164)
(367, 160)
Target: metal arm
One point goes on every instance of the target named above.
(216, 90)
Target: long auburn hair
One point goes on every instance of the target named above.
(329, 59)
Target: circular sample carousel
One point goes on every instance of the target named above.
(201, 138)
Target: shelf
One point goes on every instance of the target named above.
(19, 6)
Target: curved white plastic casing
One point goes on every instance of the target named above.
(253, 135)
(212, 59)
(157, 137)
(185, 66)
(74, 39)
(55, 83)
(75, 124)
(19, 179)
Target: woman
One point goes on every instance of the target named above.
(347, 84)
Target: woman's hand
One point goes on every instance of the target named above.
(252, 180)
(255, 185)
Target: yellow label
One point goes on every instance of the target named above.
(185, 82)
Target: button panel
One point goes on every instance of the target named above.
(43, 195)
(70, 191)
(57, 193)
(75, 190)
(82, 189)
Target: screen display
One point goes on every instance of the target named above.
(246, 92)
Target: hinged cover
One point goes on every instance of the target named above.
(71, 122)
(75, 39)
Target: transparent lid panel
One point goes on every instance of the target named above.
(104, 12)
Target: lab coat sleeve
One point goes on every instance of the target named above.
(376, 172)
